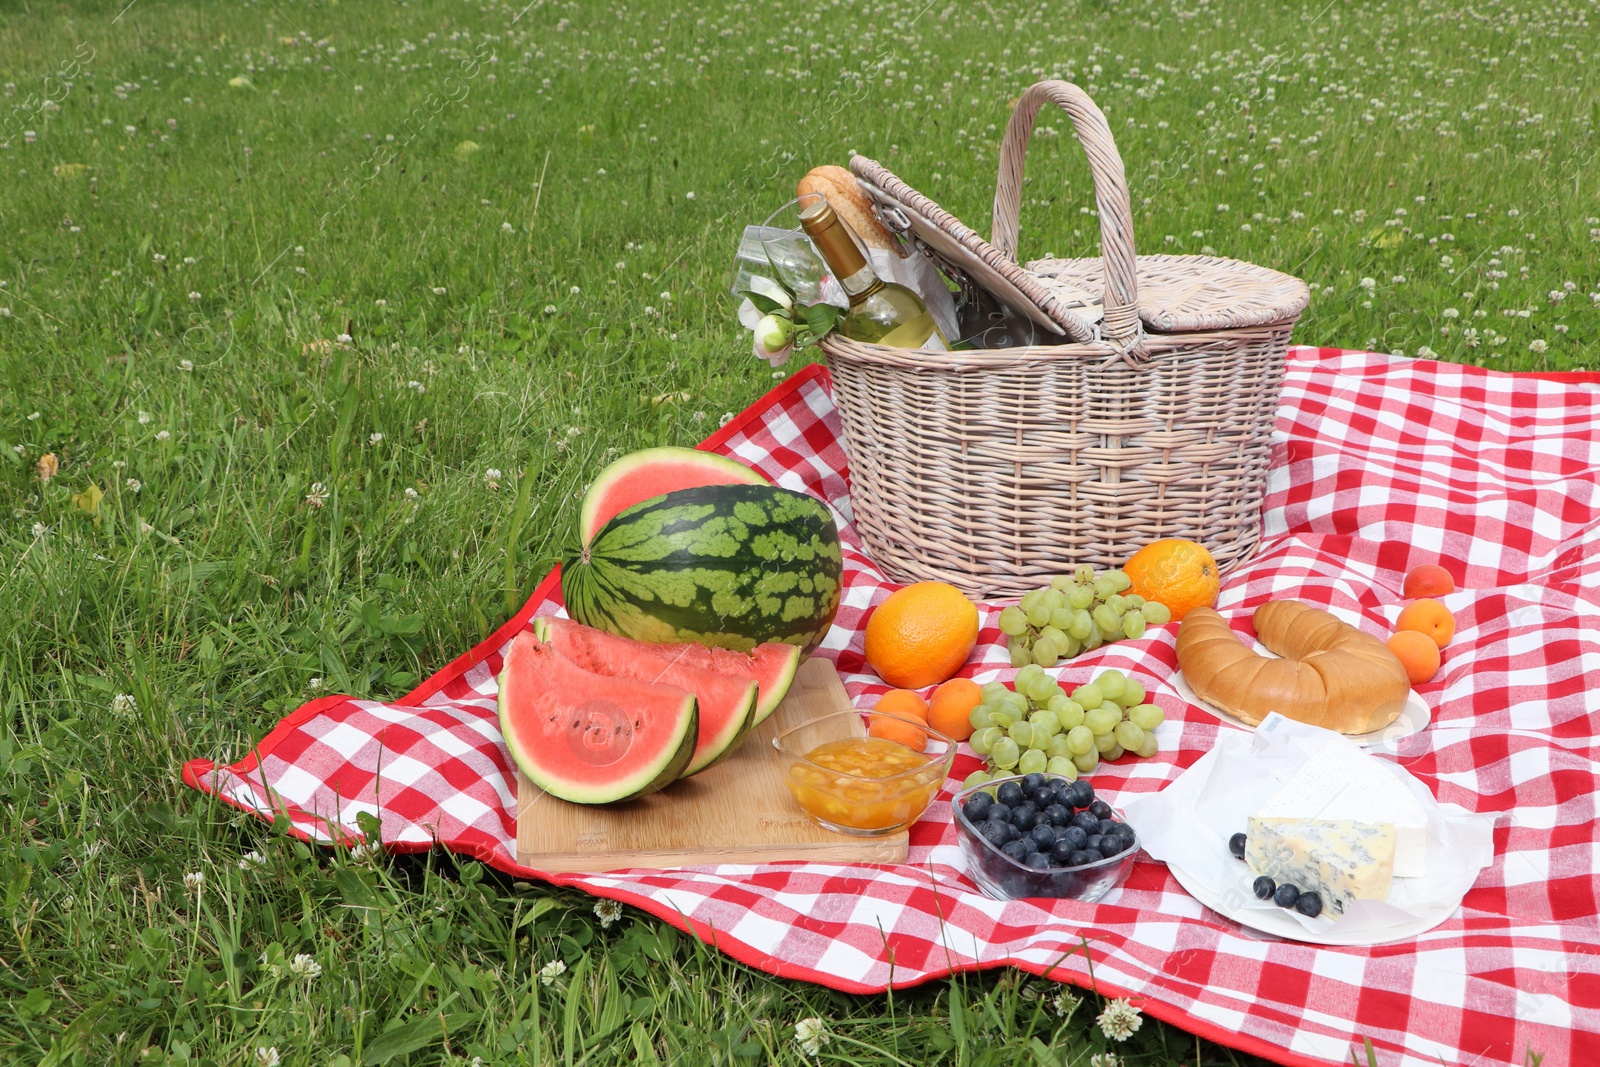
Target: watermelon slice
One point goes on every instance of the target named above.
(726, 702)
(651, 472)
(587, 738)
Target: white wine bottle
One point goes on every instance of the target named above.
(881, 312)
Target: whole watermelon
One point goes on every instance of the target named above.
(725, 565)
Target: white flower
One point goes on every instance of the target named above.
(1537, 345)
(194, 297)
(1222, 207)
(574, 291)
(1120, 1020)
(305, 965)
(551, 971)
(811, 1034)
(1066, 1003)
(492, 476)
(374, 438)
(1424, 352)
(416, 387)
(39, 528)
(159, 258)
(1557, 295)
(252, 861)
(574, 431)
(689, 195)
(1451, 313)
(1369, 284)
(267, 1055)
(727, 417)
(135, 484)
(1398, 279)
(35, 416)
(665, 295)
(314, 684)
(438, 290)
(365, 852)
(318, 495)
(549, 309)
(411, 494)
(123, 704)
(608, 912)
(506, 227)
(1105, 1059)
(163, 435)
(193, 881)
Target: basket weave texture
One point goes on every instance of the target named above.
(995, 469)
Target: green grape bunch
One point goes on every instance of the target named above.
(1076, 613)
(1039, 726)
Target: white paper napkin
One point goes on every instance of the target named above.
(1187, 825)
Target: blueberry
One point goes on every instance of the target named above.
(1111, 844)
(1286, 896)
(1101, 809)
(1309, 905)
(1082, 794)
(1033, 781)
(1023, 818)
(1080, 857)
(998, 812)
(1038, 861)
(1043, 836)
(977, 806)
(1236, 845)
(1264, 887)
(1126, 834)
(1018, 849)
(1026, 805)
(1009, 793)
(1057, 815)
(1095, 841)
(996, 833)
(1011, 831)
(1087, 822)
(1062, 851)
(1107, 826)
(1076, 835)
(1043, 797)
(1094, 854)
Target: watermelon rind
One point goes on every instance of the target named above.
(733, 566)
(664, 469)
(724, 721)
(776, 686)
(532, 670)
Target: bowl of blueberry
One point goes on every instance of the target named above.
(1042, 835)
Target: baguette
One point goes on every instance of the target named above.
(850, 204)
(1331, 675)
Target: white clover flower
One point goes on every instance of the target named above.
(186, 365)
(305, 965)
(689, 195)
(134, 485)
(1105, 1059)
(574, 431)
(1424, 352)
(194, 881)
(550, 309)
(159, 258)
(124, 705)
(416, 387)
(163, 435)
(267, 1056)
(365, 852)
(35, 416)
(727, 417)
(1537, 345)
(1120, 1020)
(194, 297)
(608, 912)
(506, 227)
(1066, 1003)
(39, 529)
(1398, 279)
(438, 290)
(1451, 313)
(1557, 295)
(492, 476)
(318, 495)
(375, 438)
(252, 861)
(551, 971)
(667, 295)
(411, 494)
(1369, 284)
(811, 1034)
(1222, 207)
(574, 291)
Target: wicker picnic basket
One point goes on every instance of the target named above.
(994, 469)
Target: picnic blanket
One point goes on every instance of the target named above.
(1380, 464)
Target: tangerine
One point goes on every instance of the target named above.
(901, 731)
(1430, 617)
(904, 704)
(921, 635)
(1417, 654)
(1430, 579)
(950, 709)
(1176, 572)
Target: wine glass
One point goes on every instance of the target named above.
(790, 251)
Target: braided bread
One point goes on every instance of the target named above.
(1331, 675)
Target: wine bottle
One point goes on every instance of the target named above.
(881, 312)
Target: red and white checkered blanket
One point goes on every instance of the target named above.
(1381, 464)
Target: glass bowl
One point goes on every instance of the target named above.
(1003, 878)
(855, 784)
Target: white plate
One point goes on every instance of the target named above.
(1280, 923)
(1413, 719)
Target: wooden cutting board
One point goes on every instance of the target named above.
(737, 812)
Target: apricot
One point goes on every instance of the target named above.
(1428, 616)
(950, 709)
(902, 731)
(1430, 579)
(903, 703)
(1417, 654)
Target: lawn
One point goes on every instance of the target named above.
(298, 295)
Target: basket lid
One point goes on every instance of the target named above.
(1185, 294)
(1060, 305)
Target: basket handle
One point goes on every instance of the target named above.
(1121, 300)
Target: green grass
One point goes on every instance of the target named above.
(180, 254)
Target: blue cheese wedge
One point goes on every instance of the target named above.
(1344, 861)
(1341, 782)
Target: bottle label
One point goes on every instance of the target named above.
(920, 332)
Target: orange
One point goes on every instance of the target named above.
(921, 635)
(903, 703)
(901, 731)
(1178, 573)
(950, 710)
(1417, 654)
(1430, 579)
(1430, 617)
